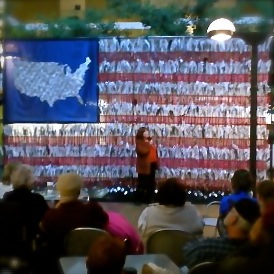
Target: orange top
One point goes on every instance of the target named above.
(153, 157)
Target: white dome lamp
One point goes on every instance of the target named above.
(221, 29)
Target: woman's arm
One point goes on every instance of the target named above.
(142, 148)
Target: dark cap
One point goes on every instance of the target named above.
(248, 209)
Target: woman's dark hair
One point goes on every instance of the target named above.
(107, 255)
(140, 133)
(172, 192)
(265, 190)
(242, 180)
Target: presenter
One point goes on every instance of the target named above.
(146, 165)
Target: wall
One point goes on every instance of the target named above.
(94, 4)
(69, 8)
(30, 10)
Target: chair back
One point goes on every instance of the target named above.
(205, 267)
(211, 215)
(78, 241)
(212, 209)
(169, 242)
(221, 227)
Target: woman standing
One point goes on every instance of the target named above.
(146, 165)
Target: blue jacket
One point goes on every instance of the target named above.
(229, 200)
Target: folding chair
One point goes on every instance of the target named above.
(78, 241)
(211, 215)
(205, 267)
(169, 242)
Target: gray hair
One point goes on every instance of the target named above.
(22, 176)
(8, 169)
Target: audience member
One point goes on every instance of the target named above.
(70, 212)
(120, 227)
(265, 193)
(107, 255)
(241, 184)
(6, 185)
(33, 205)
(262, 233)
(172, 211)
(257, 257)
(238, 223)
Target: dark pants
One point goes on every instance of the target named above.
(146, 185)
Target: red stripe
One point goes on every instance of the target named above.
(186, 56)
(116, 140)
(167, 162)
(175, 78)
(183, 99)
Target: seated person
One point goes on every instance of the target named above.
(265, 193)
(238, 224)
(120, 227)
(241, 183)
(107, 255)
(172, 211)
(257, 257)
(71, 213)
(262, 233)
(33, 205)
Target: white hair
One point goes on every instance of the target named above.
(22, 176)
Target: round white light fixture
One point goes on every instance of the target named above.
(221, 29)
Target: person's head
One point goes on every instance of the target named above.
(262, 232)
(107, 255)
(265, 193)
(69, 186)
(142, 133)
(22, 176)
(241, 218)
(8, 169)
(242, 180)
(172, 192)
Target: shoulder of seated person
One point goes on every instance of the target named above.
(201, 242)
(153, 204)
(189, 204)
(226, 197)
